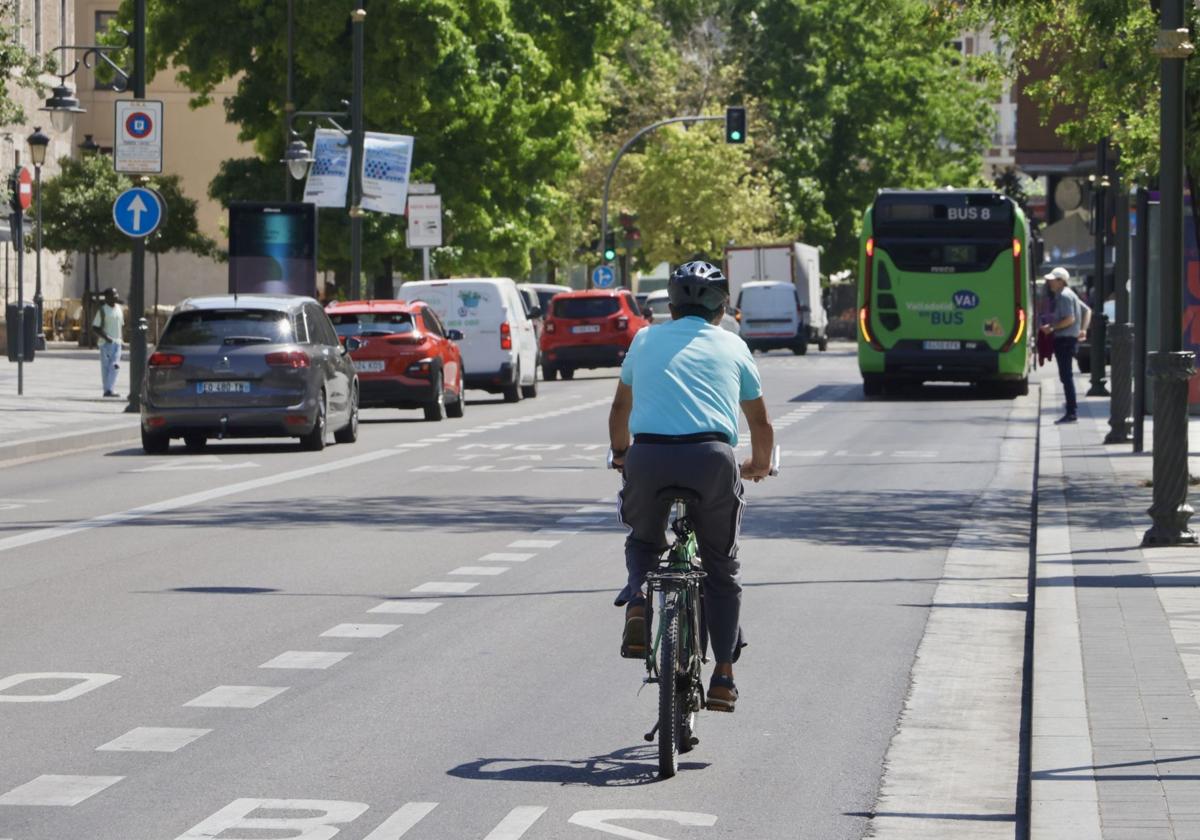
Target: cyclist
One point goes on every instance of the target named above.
(681, 385)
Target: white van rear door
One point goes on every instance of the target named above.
(769, 310)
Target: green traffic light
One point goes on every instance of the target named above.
(735, 135)
(610, 254)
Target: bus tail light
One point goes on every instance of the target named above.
(506, 336)
(1018, 309)
(864, 314)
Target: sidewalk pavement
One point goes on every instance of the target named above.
(62, 409)
(1115, 748)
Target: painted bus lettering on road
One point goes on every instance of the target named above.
(321, 819)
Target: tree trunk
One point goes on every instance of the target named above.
(382, 282)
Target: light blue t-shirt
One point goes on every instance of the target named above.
(689, 377)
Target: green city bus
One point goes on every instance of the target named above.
(945, 291)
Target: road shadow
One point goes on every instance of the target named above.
(626, 767)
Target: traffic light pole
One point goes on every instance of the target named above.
(137, 281)
(613, 168)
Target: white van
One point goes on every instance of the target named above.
(770, 316)
(499, 348)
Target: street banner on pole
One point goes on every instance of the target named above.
(326, 184)
(139, 136)
(424, 221)
(387, 160)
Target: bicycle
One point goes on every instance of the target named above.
(678, 649)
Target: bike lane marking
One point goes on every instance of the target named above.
(306, 660)
(58, 791)
(166, 739)
(236, 696)
(405, 607)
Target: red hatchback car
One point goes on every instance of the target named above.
(405, 358)
(588, 330)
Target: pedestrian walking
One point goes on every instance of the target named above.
(109, 325)
(1071, 318)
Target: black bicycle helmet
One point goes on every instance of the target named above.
(698, 283)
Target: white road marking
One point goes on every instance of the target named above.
(398, 824)
(556, 532)
(237, 815)
(153, 739)
(211, 463)
(583, 520)
(530, 544)
(166, 505)
(405, 607)
(485, 571)
(608, 508)
(805, 453)
(599, 821)
(83, 684)
(411, 445)
(360, 631)
(518, 821)
(446, 586)
(62, 791)
(505, 557)
(305, 660)
(236, 696)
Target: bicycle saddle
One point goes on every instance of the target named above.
(678, 494)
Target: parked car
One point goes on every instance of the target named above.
(590, 329)
(499, 348)
(405, 357)
(248, 366)
(771, 318)
(545, 293)
(658, 305)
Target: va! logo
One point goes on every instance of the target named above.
(965, 300)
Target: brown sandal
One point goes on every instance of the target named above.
(723, 702)
(633, 639)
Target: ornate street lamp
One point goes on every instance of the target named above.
(89, 146)
(37, 154)
(298, 158)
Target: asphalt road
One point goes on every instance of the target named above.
(414, 636)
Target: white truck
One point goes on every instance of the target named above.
(795, 263)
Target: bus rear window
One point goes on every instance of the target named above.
(942, 257)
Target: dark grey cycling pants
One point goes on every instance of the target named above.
(711, 470)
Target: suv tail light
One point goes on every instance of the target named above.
(411, 338)
(165, 360)
(551, 326)
(288, 358)
(622, 323)
(506, 336)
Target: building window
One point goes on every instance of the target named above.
(102, 75)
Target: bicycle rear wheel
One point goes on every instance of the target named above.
(670, 698)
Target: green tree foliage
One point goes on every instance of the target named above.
(77, 211)
(18, 67)
(490, 89)
(1101, 69)
(861, 94)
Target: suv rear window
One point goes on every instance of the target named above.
(228, 326)
(371, 323)
(586, 307)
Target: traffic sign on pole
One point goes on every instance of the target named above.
(138, 211)
(21, 185)
(139, 136)
(603, 277)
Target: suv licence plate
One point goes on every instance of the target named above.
(943, 345)
(223, 387)
(586, 328)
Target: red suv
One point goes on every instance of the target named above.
(405, 358)
(588, 330)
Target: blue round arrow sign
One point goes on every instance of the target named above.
(603, 276)
(138, 211)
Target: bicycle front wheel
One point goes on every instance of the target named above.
(670, 698)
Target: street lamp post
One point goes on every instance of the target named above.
(37, 154)
(1100, 191)
(1172, 367)
(63, 106)
(298, 158)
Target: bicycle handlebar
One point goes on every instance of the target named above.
(776, 456)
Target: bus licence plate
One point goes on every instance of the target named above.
(943, 345)
(224, 387)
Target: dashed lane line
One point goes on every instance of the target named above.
(165, 739)
(481, 571)
(359, 631)
(316, 660)
(446, 587)
(405, 607)
(507, 557)
(61, 791)
(236, 696)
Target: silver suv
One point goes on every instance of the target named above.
(248, 366)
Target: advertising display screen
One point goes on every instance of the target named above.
(272, 248)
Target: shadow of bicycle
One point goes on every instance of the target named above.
(622, 768)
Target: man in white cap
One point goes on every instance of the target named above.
(1071, 317)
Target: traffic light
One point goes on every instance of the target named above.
(610, 246)
(735, 124)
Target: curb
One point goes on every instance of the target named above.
(51, 446)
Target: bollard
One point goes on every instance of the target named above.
(1170, 510)
(1119, 419)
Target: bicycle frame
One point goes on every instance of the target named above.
(677, 583)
